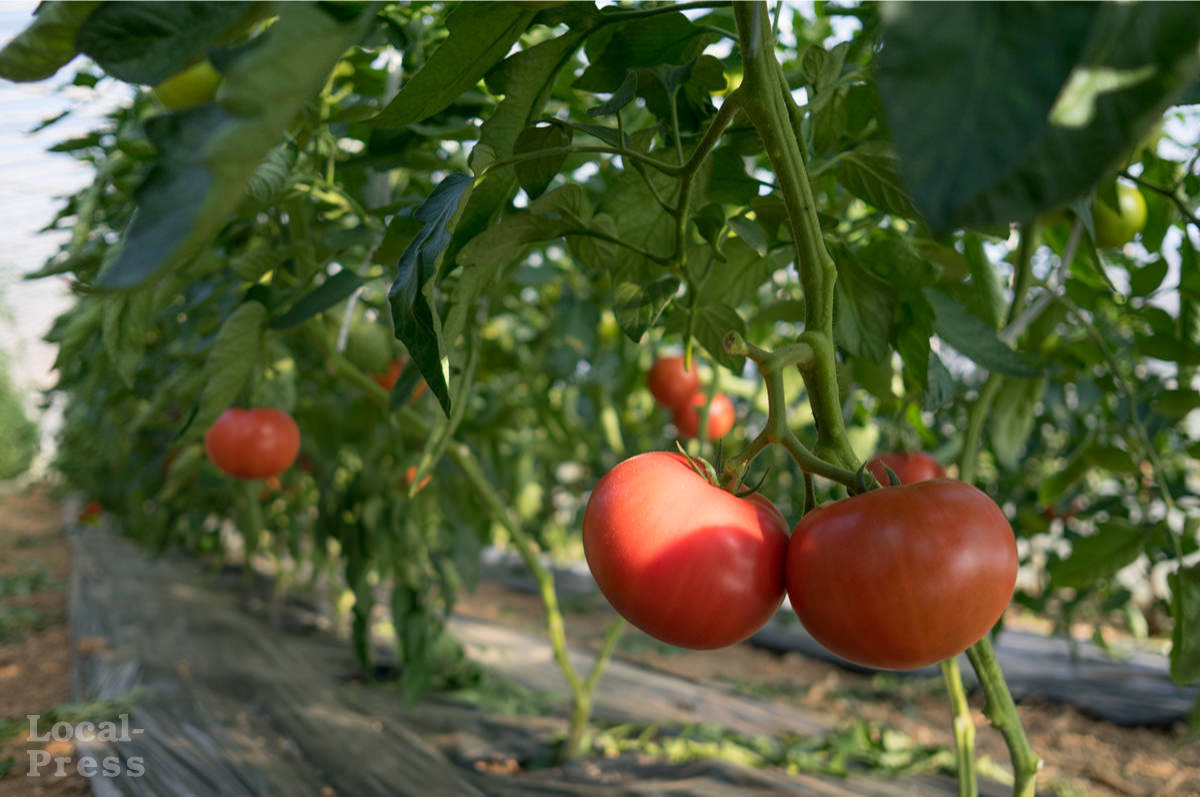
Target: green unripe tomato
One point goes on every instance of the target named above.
(608, 330)
(369, 346)
(1117, 226)
(195, 85)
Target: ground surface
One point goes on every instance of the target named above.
(1082, 755)
(35, 566)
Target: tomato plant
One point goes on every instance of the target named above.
(680, 558)
(253, 444)
(720, 416)
(671, 384)
(902, 577)
(1116, 226)
(388, 380)
(909, 467)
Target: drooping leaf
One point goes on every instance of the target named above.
(1012, 417)
(637, 305)
(210, 152)
(869, 171)
(971, 336)
(147, 42)
(666, 39)
(619, 99)
(865, 306)
(480, 35)
(710, 326)
(47, 44)
(535, 175)
(329, 293)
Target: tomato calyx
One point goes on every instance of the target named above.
(703, 467)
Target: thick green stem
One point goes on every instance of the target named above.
(969, 457)
(964, 729)
(1000, 709)
(763, 100)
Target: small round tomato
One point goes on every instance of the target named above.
(902, 577)
(388, 381)
(253, 444)
(411, 473)
(91, 512)
(909, 467)
(1117, 226)
(671, 384)
(191, 86)
(720, 417)
(683, 560)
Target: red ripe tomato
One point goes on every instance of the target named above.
(411, 474)
(670, 384)
(253, 444)
(683, 560)
(720, 417)
(909, 467)
(91, 512)
(388, 381)
(902, 577)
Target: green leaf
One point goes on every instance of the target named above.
(637, 305)
(865, 306)
(480, 35)
(750, 232)
(412, 311)
(1012, 417)
(535, 175)
(913, 329)
(329, 293)
(47, 44)
(209, 153)
(272, 178)
(941, 384)
(736, 279)
(123, 331)
(869, 171)
(624, 95)
(971, 336)
(234, 355)
(1065, 477)
(710, 325)
(1004, 110)
(1114, 545)
(665, 39)
(1145, 280)
(1185, 638)
(147, 42)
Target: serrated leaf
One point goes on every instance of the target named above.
(1012, 417)
(329, 293)
(971, 336)
(234, 355)
(1100, 555)
(47, 44)
(710, 324)
(1185, 638)
(535, 175)
(412, 310)
(481, 34)
(638, 305)
(865, 307)
(870, 172)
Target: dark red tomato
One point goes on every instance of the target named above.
(720, 417)
(388, 381)
(683, 560)
(91, 512)
(253, 444)
(670, 384)
(909, 467)
(902, 577)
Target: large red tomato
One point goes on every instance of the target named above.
(902, 577)
(720, 417)
(683, 560)
(670, 384)
(253, 444)
(909, 467)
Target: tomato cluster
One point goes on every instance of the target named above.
(895, 578)
(678, 389)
